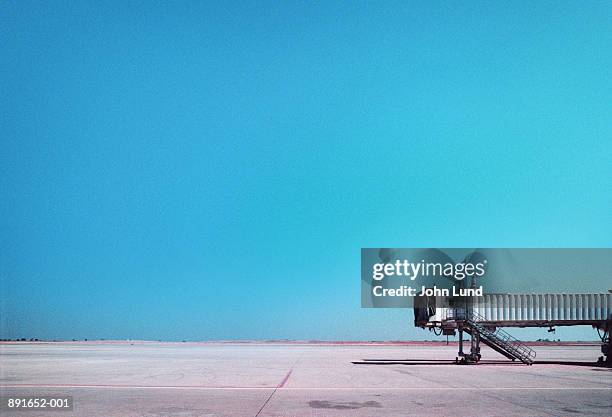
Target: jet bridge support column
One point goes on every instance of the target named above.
(473, 356)
(606, 349)
(475, 347)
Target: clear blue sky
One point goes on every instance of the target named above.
(211, 171)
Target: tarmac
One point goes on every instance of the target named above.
(295, 380)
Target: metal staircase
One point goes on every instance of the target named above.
(496, 338)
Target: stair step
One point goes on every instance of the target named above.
(506, 344)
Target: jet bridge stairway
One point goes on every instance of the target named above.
(496, 338)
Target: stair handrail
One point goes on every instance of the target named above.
(502, 337)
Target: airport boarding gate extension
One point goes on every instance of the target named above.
(483, 317)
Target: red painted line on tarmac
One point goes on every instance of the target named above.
(129, 386)
(203, 387)
(284, 381)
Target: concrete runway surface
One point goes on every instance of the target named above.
(287, 380)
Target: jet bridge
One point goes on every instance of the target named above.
(483, 317)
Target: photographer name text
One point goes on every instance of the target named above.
(406, 291)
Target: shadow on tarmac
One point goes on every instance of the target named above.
(453, 362)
